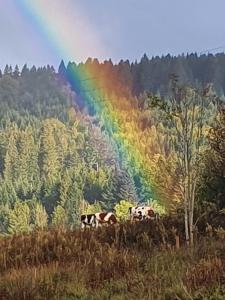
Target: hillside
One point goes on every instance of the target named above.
(58, 160)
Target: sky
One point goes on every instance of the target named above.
(51, 30)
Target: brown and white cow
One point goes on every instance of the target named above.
(142, 213)
(88, 221)
(94, 220)
(106, 218)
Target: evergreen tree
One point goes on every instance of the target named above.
(27, 165)
(39, 217)
(7, 70)
(62, 70)
(95, 184)
(4, 218)
(8, 195)
(120, 186)
(11, 157)
(49, 159)
(59, 217)
(19, 218)
(16, 72)
(25, 71)
(71, 195)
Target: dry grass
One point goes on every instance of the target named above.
(127, 261)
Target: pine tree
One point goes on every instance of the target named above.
(7, 70)
(95, 184)
(4, 218)
(11, 158)
(25, 71)
(59, 217)
(62, 70)
(16, 72)
(19, 218)
(8, 195)
(71, 195)
(120, 187)
(27, 165)
(39, 217)
(49, 159)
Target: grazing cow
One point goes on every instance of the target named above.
(142, 213)
(132, 212)
(135, 212)
(150, 214)
(88, 220)
(106, 218)
(93, 220)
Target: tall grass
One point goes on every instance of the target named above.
(128, 261)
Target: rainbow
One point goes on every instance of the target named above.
(71, 36)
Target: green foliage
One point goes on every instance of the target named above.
(50, 164)
(95, 185)
(71, 194)
(52, 150)
(121, 209)
(39, 217)
(93, 208)
(19, 218)
(211, 184)
(120, 186)
(8, 195)
(4, 218)
(11, 157)
(59, 217)
(157, 207)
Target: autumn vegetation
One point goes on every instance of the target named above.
(144, 259)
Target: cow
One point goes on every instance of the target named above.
(106, 218)
(94, 220)
(135, 212)
(88, 220)
(142, 213)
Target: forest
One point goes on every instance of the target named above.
(59, 157)
(98, 136)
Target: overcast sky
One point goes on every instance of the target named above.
(125, 28)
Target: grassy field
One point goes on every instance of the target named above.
(147, 260)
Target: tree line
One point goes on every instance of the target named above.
(59, 158)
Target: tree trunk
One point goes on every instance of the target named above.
(186, 216)
(191, 228)
(191, 213)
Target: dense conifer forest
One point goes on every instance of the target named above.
(58, 158)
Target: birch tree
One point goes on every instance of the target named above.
(189, 113)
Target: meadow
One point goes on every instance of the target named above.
(142, 260)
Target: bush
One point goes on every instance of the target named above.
(121, 209)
